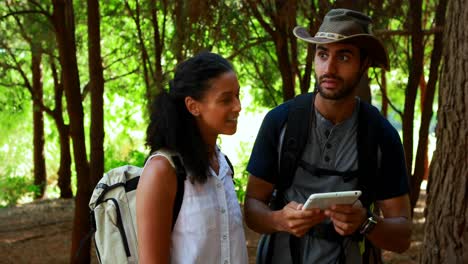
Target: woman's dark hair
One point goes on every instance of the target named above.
(172, 126)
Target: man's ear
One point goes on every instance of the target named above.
(192, 106)
(365, 64)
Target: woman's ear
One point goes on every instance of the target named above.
(192, 106)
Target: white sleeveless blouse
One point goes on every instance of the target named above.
(209, 228)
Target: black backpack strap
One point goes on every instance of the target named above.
(300, 118)
(230, 165)
(181, 176)
(367, 143)
(369, 130)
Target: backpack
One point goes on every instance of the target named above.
(294, 141)
(113, 211)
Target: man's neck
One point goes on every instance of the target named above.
(336, 111)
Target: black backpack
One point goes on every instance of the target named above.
(294, 142)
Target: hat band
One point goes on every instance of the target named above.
(329, 35)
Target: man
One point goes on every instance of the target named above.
(330, 160)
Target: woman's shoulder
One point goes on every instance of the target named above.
(166, 154)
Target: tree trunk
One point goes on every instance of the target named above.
(446, 228)
(64, 171)
(421, 163)
(384, 94)
(145, 60)
(416, 69)
(158, 44)
(63, 19)
(96, 84)
(40, 175)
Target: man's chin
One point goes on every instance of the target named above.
(335, 96)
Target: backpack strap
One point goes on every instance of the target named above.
(368, 158)
(294, 141)
(181, 176)
(176, 162)
(295, 138)
(230, 165)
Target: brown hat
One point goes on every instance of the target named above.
(344, 25)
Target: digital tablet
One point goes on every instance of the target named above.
(325, 200)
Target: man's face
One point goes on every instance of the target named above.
(338, 70)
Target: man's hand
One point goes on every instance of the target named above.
(296, 221)
(346, 218)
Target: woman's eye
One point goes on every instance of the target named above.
(226, 100)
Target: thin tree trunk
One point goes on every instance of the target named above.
(40, 175)
(446, 230)
(63, 19)
(64, 171)
(145, 61)
(158, 42)
(420, 168)
(416, 69)
(179, 17)
(384, 94)
(96, 84)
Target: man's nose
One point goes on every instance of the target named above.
(330, 65)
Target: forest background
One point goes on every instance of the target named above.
(77, 78)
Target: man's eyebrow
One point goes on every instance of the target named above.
(341, 51)
(322, 48)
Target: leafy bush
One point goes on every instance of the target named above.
(13, 189)
(241, 175)
(133, 157)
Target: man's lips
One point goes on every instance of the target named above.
(328, 83)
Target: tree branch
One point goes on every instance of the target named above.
(23, 12)
(406, 32)
(248, 46)
(120, 76)
(387, 98)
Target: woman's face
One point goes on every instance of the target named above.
(219, 108)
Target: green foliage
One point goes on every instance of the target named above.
(134, 157)
(224, 27)
(241, 175)
(13, 189)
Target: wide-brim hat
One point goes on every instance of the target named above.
(344, 25)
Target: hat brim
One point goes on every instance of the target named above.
(374, 47)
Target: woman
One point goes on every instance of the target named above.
(203, 102)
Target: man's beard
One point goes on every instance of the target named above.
(343, 92)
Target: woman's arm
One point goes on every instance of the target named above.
(154, 202)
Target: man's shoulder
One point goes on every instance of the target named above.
(280, 112)
(378, 124)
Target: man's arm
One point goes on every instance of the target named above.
(260, 218)
(392, 231)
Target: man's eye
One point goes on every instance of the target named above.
(322, 55)
(344, 58)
